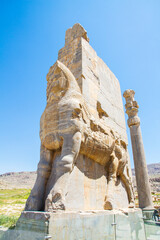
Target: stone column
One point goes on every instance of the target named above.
(143, 187)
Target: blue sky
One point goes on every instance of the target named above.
(125, 34)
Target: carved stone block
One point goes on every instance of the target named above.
(84, 162)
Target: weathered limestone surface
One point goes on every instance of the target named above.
(97, 83)
(143, 187)
(91, 225)
(84, 162)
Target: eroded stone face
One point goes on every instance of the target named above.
(83, 123)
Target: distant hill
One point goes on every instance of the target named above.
(17, 180)
(27, 179)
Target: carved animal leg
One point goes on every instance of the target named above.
(70, 150)
(128, 186)
(112, 178)
(35, 201)
(123, 173)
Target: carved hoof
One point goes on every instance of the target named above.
(108, 205)
(54, 202)
(131, 205)
(48, 203)
(60, 205)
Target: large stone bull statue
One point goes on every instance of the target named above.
(68, 128)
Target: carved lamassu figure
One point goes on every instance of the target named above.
(67, 129)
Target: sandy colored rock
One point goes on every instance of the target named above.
(142, 179)
(84, 162)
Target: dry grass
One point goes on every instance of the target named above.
(12, 202)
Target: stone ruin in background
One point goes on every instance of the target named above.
(84, 162)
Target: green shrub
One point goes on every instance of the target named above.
(8, 221)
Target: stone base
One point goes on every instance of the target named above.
(91, 225)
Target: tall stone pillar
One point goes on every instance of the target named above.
(143, 187)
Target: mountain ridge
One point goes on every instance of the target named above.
(26, 180)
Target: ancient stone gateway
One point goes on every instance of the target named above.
(84, 162)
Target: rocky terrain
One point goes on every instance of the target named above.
(17, 180)
(154, 177)
(26, 179)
